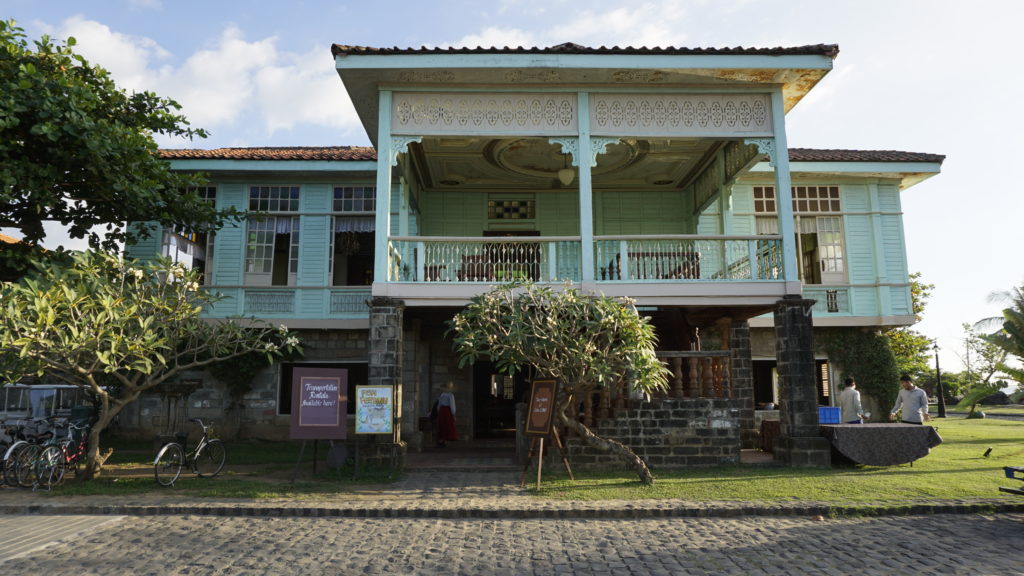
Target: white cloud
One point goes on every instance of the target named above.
(497, 37)
(649, 24)
(231, 85)
(134, 61)
(147, 4)
(216, 85)
(303, 89)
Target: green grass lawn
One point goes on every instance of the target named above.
(1016, 409)
(956, 469)
(256, 469)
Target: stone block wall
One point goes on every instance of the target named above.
(668, 433)
(741, 372)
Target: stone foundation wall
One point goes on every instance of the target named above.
(668, 433)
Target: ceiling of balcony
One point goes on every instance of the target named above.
(485, 163)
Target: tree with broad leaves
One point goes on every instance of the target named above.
(584, 341)
(77, 150)
(117, 329)
(910, 348)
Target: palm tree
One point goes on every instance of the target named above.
(1009, 335)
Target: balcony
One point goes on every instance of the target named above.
(634, 259)
(683, 269)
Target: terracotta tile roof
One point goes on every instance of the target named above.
(8, 240)
(337, 153)
(830, 50)
(821, 155)
(366, 153)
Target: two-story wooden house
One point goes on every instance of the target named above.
(660, 174)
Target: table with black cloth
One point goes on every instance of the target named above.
(881, 444)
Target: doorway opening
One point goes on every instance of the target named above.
(495, 397)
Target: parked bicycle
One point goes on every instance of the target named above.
(57, 457)
(206, 460)
(20, 457)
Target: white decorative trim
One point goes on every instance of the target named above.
(599, 145)
(570, 146)
(400, 145)
(440, 113)
(681, 114)
(764, 146)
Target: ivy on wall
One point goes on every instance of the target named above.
(867, 356)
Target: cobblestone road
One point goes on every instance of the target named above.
(199, 545)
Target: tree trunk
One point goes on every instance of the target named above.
(94, 460)
(608, 445)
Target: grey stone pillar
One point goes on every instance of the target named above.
(385, 356)
(742, 373)
(799, 443)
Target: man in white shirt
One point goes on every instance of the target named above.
(914, 402)
(849, 404)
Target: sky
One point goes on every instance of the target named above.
(934, 76)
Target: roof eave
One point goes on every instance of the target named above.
(365, 74)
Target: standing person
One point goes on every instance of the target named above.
(849, 404)
(914, 402)
(446, 415)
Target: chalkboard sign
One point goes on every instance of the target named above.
(541, 414)
(319, 404)
(374, 409)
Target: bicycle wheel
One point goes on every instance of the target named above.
(50, 467)
(167, 466)
(210, 459)
(10, 471)
(25, 465)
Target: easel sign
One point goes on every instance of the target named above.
(319, 402)
(540, 416)
(540, 420)
(319, 408)
(375, 409)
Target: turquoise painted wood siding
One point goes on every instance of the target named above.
(229, 250)
(558, 213)
(874, 285)
(147, 248)
(639, 212)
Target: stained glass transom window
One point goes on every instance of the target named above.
(510, 209)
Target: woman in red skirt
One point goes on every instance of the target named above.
(446, 415)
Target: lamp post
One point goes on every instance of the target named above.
(938, 383)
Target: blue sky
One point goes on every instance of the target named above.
(936, 76)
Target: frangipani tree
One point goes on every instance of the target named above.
(117, 329)
(584, 341)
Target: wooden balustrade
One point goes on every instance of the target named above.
(703, 374)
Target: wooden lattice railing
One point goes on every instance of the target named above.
(694, 375)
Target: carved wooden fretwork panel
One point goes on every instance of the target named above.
(680, 114)
(495, 113)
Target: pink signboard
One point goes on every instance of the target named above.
(319, 403)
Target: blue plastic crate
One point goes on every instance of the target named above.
(828, 415)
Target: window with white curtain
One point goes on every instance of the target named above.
(352, 236)
(818, 226)
(272, 240)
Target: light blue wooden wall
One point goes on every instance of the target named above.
(866, 226)
(640, 212)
